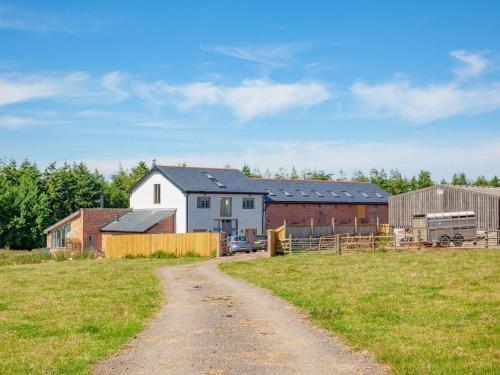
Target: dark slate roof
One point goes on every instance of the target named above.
(195, 180)
(315, 191)
(138, 221)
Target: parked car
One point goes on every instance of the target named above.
(238, 244)
(259, 243)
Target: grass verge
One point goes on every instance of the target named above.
(60, 317)
(434, 312)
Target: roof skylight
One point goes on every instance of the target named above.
(214, 180)
(379, 195)
(269, 192)
(347, 194)
(219, 184)
(319, 194)
(303, 193)
(288, 194)
(365, 195)
(334, 194)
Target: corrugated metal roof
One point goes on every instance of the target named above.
(286, 190)
(138, 221)
(210, 180)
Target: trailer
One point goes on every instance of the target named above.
(445, 228)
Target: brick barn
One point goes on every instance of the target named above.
(299, 201)
(83, 229)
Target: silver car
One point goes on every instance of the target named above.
(238, 244)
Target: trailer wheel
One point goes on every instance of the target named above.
(444, 241)
(458, 240)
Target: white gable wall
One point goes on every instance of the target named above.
(202, 218)
(170, 197)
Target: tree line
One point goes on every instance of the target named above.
(31, 199)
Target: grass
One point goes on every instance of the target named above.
(433, 312)
(60, 317)
(10, 257)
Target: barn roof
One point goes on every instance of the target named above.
(138, 221)
(479, 189)
(318, 191)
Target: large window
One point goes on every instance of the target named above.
(248, 203)
(225, 207)
(59, 236)
(157, 195)
(203, 202)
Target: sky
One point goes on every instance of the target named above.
(311, 84)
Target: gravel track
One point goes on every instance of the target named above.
(213, 324)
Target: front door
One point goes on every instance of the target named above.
(226, 227)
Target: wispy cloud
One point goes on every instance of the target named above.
(401, 99)
(474, 64)
(277, 55)
(14, 122)
(250, 99)
(23, 19)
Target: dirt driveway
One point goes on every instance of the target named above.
(213, 324)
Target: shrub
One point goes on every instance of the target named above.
(163, 255)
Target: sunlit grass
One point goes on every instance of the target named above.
(60, 317)
(434, 312)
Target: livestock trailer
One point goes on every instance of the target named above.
(445, 228)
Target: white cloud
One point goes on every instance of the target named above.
(476, 159)
(14, 122)
(113, 82)
(423, 104)
(474, 64)
(276, 55)
(252, 98)
(17, 89)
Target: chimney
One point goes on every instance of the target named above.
(102, 200)
(154, 163)
(117, 218)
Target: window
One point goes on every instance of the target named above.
(334, 194)
(225, 207)
(156, 197)
(59, 236)
(303, 193)
(286, 193)
(347, 194)
(269, 192)
(365, 195)
(319, 194)
(379, 195)
(249, 203)
(203, 202)
(214, 180)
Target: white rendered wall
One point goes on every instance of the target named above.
(170, 197)
(202, 218)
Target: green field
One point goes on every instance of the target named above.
(434, 312)
(60, 317)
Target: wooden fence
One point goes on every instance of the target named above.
(180, 244)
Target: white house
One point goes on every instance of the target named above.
(205, 199)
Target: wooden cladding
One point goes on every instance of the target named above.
(403, 207)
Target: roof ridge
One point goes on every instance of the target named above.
(305, 180)
(189, 167)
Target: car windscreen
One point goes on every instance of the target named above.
(239, 238)
(261, 237)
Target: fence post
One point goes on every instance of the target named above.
(394, 241)
(312, 227)
(378, 225)
(290, 243)
(356, 224)
(333, 226)
(337, 240)
(486, 239)
(373, 242)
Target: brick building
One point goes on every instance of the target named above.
(299, 201)
(84, 228)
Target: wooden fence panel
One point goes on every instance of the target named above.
(203, 244)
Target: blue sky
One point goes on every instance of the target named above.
(325, 85)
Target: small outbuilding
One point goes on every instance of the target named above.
(484, 201)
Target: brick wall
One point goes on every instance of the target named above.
(76, 233)
(93, 219)
(301, 213)
(166, 226)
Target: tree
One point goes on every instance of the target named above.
(396, 183)
(459, 179)
(481, 181)
(293, 174)
(282, 173)
(379, 178)
(359, 176)
(495, 181)
(308, 174)
(246, 170)
(424, 180)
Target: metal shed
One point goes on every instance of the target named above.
(484, 201)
